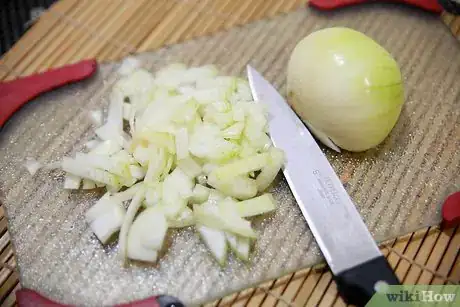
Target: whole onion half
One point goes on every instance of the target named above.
(346, 87)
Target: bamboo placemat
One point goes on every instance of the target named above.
(107, 30)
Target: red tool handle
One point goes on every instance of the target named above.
(429, 5)
(451, 211)
(30, 298)
(14, 94)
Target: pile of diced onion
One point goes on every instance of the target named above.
(180, 147)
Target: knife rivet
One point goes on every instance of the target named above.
(381, 286)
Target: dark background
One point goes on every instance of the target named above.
(14, 15)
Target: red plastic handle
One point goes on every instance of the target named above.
(429, 5)
(451, 211)
(29, 298)
(14, 94)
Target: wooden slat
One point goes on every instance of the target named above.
(411, 251)
(4, 240)
(455, 271)
(72, 30)
(436, 256)
(259, 297)
(448, 259)
(276, 291)
(339, 303)
(330, 295)
(139, 28)
(8, 277)
(46, 46)
(218, 22)
(307, 288)
(294, 286)
(70, 35)
(207, 15)
(235, 17)
(10, 300)
(106, 34)
(3, 225)
(32, 37)
(320, 289)
(95, 19)
(190, 17)
(164, 29)
(422, 256)
(8, 285)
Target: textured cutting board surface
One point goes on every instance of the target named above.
(397, 187)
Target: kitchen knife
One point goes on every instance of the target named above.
(351, 252)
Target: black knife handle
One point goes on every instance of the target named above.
(450, 6)
(169, 301)
(357, 285)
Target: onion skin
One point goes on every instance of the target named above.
(346, 86)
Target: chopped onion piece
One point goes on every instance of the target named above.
(255, 206)
(96, 117)
(184, 219)
(215, 241)
(234, 131)
(238, 114)
(53, 165)
(190, 167)
(134, 206)
(100, 207)
(106, 148)
(108, 223)
(128, 194)
(88, 184)
(138, 252)
(209, 167)
(168, 167)
(142, 155)
(128, 65)
(72, 182)
(157, 164)
(92, 144)
(182, 143)
(239, 187)
(269, 171)
(149, 228)
(223, 218)
(239, 167)
(105, 217)
(200, 194)
(32, 165)
(137, 172)
(126, 111)
(100, 184)
(153, 195)
(202, 179)
(159, 139)
(108, 164)
(215, 197)
(207, 143)
(178, 182)
(139, 82)
(239, 245)
(146, 235)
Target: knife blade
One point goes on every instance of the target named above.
(355, 260)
